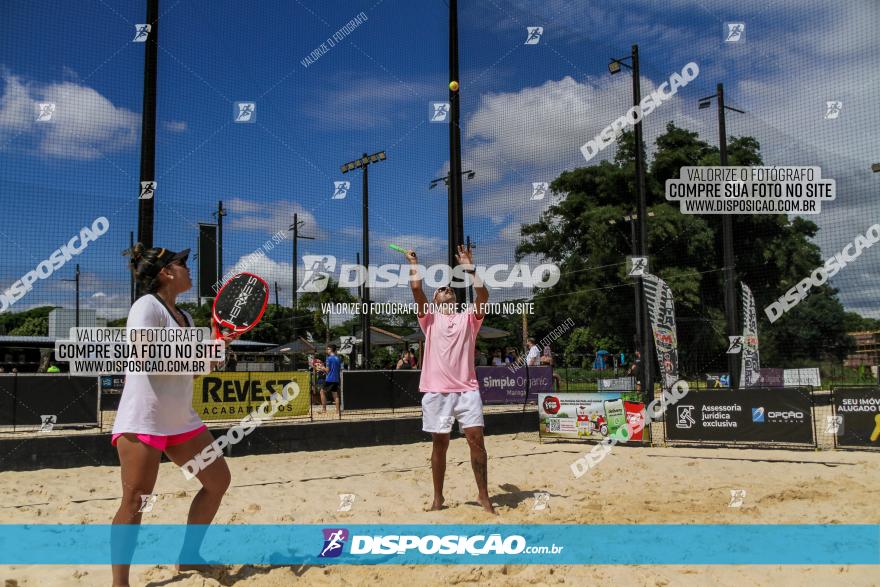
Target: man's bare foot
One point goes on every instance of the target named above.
(438, 503)
(202, 567)
(487, 505)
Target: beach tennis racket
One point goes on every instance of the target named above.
(239, 305)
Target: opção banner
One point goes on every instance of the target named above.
(742, 415)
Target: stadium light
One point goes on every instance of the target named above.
(729, 271)
(364, 162)
(615, 64)
(450, 234)
(640, 244)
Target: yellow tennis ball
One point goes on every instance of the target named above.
(453, 85)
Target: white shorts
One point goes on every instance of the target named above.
(440, 410)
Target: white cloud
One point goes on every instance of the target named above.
(175, 125)
(85, 124)
(270, 217)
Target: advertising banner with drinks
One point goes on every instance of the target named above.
(587, 415)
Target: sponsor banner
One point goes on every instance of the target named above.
(618, 384)
(583, 415)
(112, 384)
(795, 377)
(858, 413)
(661, 308)
(234, 395)
(718, 380)
(751, 363)
(772, 377)
(777, 415)
(466, 544)
(502, 385)
(28, 397)
(380, 389)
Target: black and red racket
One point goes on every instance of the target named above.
(239, 305)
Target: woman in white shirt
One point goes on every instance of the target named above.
(155, 415)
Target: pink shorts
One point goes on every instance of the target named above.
(161, 442)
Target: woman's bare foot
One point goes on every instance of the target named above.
(438, 503)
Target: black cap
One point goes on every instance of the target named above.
(166, 257)
(163, 258)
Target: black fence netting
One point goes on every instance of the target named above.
(276, 126)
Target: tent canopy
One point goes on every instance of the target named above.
(299, 345)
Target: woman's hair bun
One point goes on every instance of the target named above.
(136, 253)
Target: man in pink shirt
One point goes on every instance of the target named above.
(448, 380)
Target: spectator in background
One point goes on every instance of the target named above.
(482, 360)
(547, 360)
(511, 356)
(497, 359)
(405, 361)
(2, 370)
(320, 375)
(331, 383)
(231, 361)
(533, 358)
(635, 370)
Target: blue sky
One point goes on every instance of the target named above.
(526, 111)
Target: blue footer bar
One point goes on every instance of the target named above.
(785, 544)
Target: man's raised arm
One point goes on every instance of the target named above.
(481, 294)
(415, 283)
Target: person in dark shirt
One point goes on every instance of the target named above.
(331, 384)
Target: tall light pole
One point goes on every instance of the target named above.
(364, 163)
(297, 223)
(452, 243)
(733, 360)
(647, 346)
(76, 279)
(455, 199)
(875, 167)
(131, 286)
(631, 219)
(470, 289)
(220, 213)
(148, 128)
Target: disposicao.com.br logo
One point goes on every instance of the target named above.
(320, 268)
(476, 545)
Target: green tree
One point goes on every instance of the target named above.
(10, 321)
(311, 310)
(32, 326)
(584, 235)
